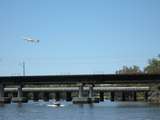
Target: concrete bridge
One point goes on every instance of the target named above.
(80, 80)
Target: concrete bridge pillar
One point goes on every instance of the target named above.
(35, 96)
(146, 96)
(123, 96)
(82, 99)
(19, 98)
(91, 91)
(68, 96)
(134, 96)
(112, 95)
(20, 93)
(80, 95)
(46, 96)
(101, 96)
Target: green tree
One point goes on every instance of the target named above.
(153, 65)
(129, 70)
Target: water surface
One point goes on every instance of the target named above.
(103, 111)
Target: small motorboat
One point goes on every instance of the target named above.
(56, 103)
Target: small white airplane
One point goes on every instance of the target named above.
(28, 39)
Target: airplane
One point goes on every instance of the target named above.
(28, 39)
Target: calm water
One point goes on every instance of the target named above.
(103, 111)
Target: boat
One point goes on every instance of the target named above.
(56, 103)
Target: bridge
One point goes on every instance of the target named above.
(67, 93)
(79, 80)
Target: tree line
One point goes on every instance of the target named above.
(153, 67)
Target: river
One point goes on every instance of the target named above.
(101, 111)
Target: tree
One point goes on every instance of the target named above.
(129, 70)
(153, 65)
(152, 68)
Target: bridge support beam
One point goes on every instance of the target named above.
(101, 96)
(112, 96)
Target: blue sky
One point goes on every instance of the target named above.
(77, 37)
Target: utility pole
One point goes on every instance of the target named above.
(23, 68)
(28, 39)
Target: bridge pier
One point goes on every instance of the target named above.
(123, 96)
(81, 99)
(68, 96)
(46, 96)
(91, 91)
(146, 96)
(3, 99)
(19, 98)
(112, 96)
(101, 96)
(80, 92)
(35, 96)
(134, 96)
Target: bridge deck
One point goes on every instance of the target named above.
(72, 79)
